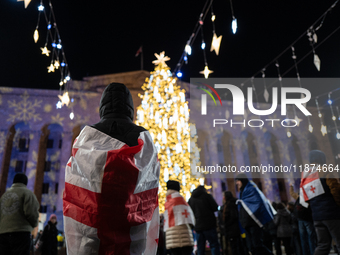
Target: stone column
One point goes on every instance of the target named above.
(65, 155)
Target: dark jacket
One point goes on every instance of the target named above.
(283, 221)
(324, 206)
(203, 206)
(230, 217)
(49, 239)
(116, 115)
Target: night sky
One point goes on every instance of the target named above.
(102, 37)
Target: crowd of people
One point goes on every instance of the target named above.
(253, 225)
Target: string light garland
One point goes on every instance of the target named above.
(330, 102)
(57, 54)
(164, 113)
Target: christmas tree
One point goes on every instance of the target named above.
(164, 113)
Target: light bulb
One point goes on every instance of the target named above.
(36, 36)
(289, 134)
(329, 101)
(310, 128)
(320, 115)
(41, 8)
(203, 45)
(338, 135)
(188, 49)
(179, 74)
(234, 25)
(333, 118)
(213, 17)
(61, 83)
(59, 105)
(59, 46)
(62, 64)
(323, 130)
(71, 115)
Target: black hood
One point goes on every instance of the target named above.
(116, 102)
(198, 191)
(243, 178)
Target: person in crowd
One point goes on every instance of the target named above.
(204, 206)
(295, 240)
(221, 232)
(48, 243)
(19, 214)
(179, 220)
(322, 194)
(306, 227)
(254, 212)
(283, 221)
(37, 238)
(114, 162)
(231, 224)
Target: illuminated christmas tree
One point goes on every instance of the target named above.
(164, 113)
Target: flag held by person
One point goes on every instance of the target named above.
(310, 186)
(177, 212)
(111, 195)
(256, 204)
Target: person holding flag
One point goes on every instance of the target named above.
(178, 221)
(254, 212)
(315, 191)
(110, 201)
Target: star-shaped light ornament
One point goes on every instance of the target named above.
(51, 68)
(298, 120)
(206, 72)
(161, 58)
(45, 51)
(27, 2)
(65, 99)
(56, 64)
(215, 44)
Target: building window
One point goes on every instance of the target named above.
(20, 166)
(47, 166)
(49, 144)
(45, 188)
(23, 144)
(43, 209)
(60, 143)
(56, 188)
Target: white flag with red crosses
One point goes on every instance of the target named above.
(310, 186)
(111, 196)
(177, 211)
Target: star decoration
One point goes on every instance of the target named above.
(298, 120)
(45, 51)
(56, 64)
(310, 128)
(161, 58)
(215, 44)
(206, 72)
(27, 2)
(51, 68)
(65, 99)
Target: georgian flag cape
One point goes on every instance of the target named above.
(177, 212)
(310, 186)
(256, 204)
(110, 198)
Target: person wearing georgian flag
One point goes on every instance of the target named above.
(316, 190)
(178, 221)
(110, 202)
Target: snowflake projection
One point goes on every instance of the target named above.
(24, 110)
(2, 141)
(80, 96)
(78, 120)
(57, 119)
(32, 165)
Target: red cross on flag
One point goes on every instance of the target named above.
(111, 196)
(310, 186)
(177, 211)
